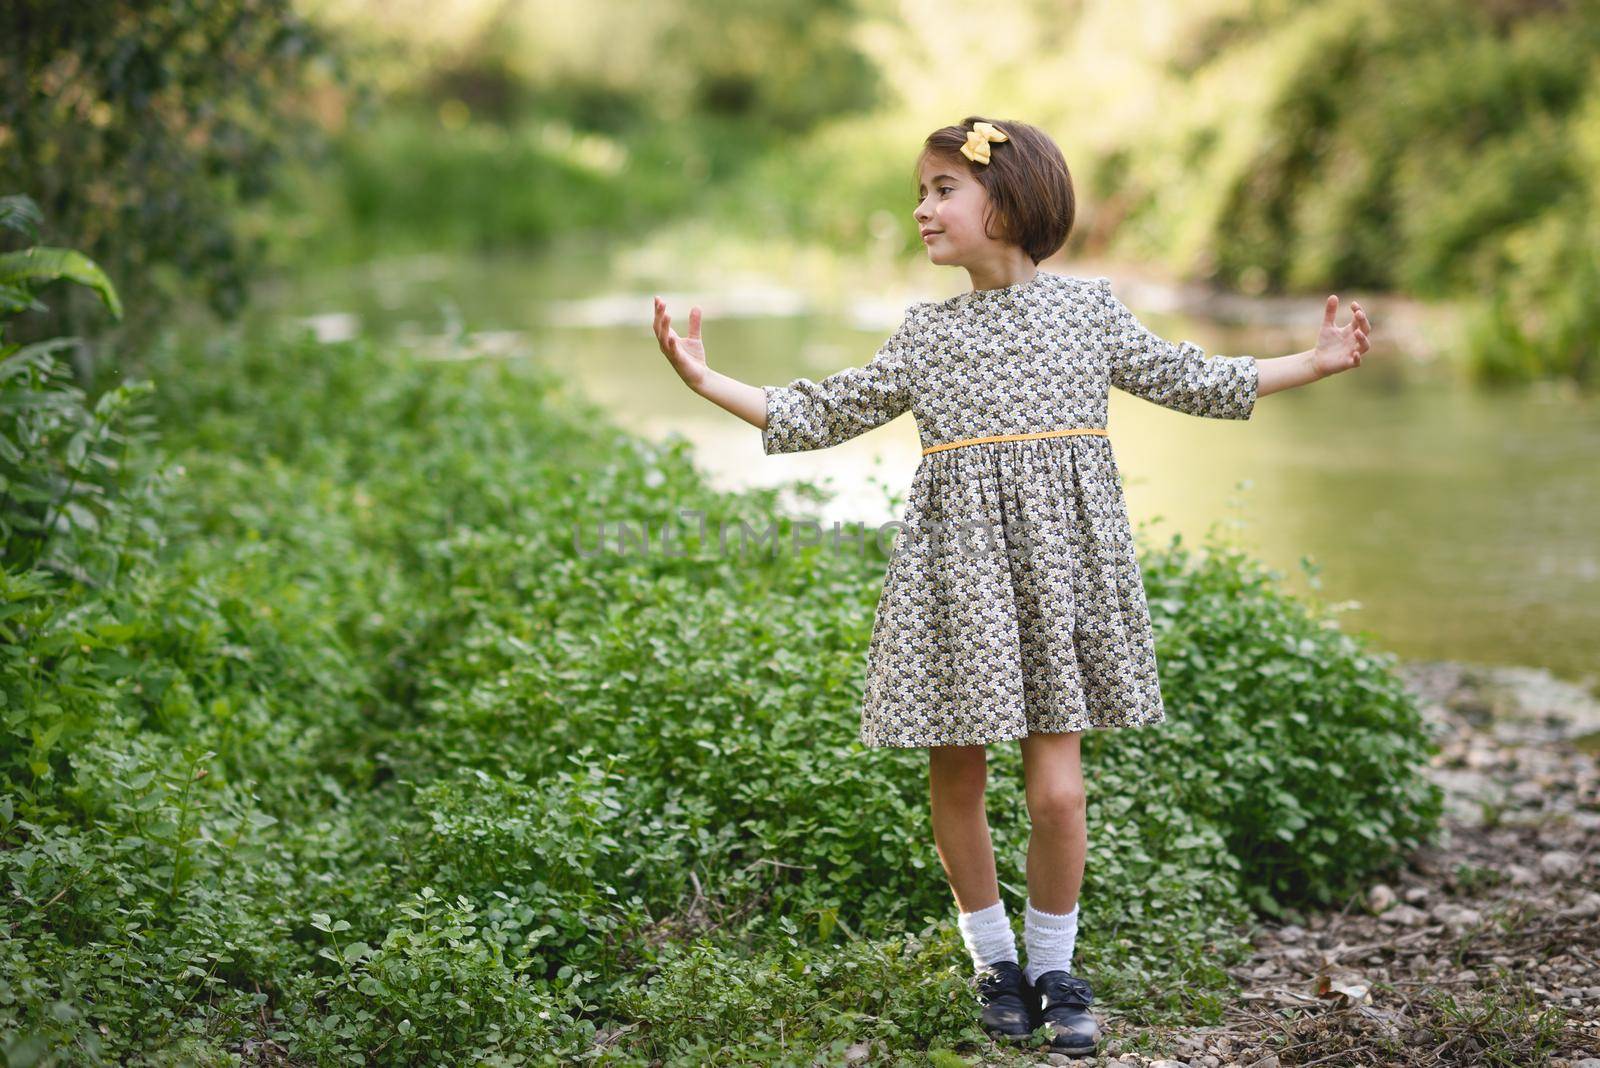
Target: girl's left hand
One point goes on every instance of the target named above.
(1340, 348)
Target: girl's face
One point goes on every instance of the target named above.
(949, 214)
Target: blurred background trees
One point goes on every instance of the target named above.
(1438, 149)
(144, 132)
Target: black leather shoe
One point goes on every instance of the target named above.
(1002, 991)
(1064, 1001)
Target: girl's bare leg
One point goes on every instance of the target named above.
(957, 777)
(1053, 777)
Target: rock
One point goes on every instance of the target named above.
(1587, 1062)
(1585, 907)
(1520, 875)
(1405, 916)
(1416, 894)
(1455, 916)
(1269, 1061)
(857, 1053)
(1380, 897)
(1291, 933)
(1529, 792)
(1559, 864)
(1468, 976)
(1169, 1064)
(1210, 1060)
(1058, 1058)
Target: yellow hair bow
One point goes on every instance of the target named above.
(977, 147)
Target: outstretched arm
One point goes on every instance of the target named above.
(1338, 348)
(804, 414)
(688, 357)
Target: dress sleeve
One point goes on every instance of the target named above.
(1175, 375)
(816, 415)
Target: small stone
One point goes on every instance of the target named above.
(1455, 916)
(1169, 1064)
(857, 1053)
(1380, 897)
(1501, 960)
(1291, 933)
(1559, 864)
(1416, 894)
(1269, 1061)
(1520, 875)
(1586, 906)
(1210, 1060)
(1528, 791)
(1468, 976)
(1405, 916)
(1587, 1062)
(1057, 1058)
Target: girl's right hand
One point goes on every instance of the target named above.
(686, 354)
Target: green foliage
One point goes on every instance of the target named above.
(377, 757)
(1295, 738)
(142, 128)
(68, 494)
(1470, 176)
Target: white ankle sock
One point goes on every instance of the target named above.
(988, 935)
(1050, 938)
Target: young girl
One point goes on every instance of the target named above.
(1013, 606)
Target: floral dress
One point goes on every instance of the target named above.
(1013, 602)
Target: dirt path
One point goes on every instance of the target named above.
(1484, 951)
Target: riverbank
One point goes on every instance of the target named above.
(1484, 949)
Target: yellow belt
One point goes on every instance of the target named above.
(1013, 437)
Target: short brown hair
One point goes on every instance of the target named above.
(1029, 186)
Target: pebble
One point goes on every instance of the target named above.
(1406, 916)
(1453, 915)
(1380, 897)
(1559, 864)
(1169, 1064)
(1528, 791)
(1269, 1061)
(1416, 894)
(1521, 875)
(857, 1053)
(1586, 906)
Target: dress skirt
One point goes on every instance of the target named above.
(1013, 602)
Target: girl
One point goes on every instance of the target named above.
(1040, 631)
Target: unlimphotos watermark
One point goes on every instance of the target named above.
(627, 537)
